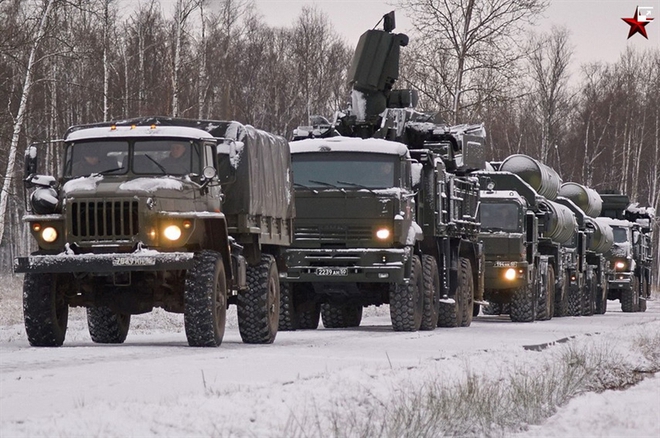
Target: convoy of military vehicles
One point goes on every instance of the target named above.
(383, 205)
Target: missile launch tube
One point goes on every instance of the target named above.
(561, 225)
(584, 197)
(542, 178)
(602, 237)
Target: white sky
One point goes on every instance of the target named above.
(597, 31)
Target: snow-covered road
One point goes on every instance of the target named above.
(155, 384)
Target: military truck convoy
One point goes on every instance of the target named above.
(382, 206)
(132, 224)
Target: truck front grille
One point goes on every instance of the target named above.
(104, 219)
(332, 233)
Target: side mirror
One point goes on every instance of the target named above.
(30, 168)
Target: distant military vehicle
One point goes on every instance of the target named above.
(186, 215)
(630, 259)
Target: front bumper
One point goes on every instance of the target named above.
(620, 280)
(148, 260)
(362, 265)
(495, 270)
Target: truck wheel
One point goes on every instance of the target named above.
(259, 306)
(205, 300)
(601, 301)
(407, 302)
(341, 315)
(546, 307)
(431, 289)
(574, 301)
(309, 319)
(45, 310)
(459, 314)
(492, 309)
(468, 292)
(644, 296)
(523, 305)
(589, 295)
(561, 296)
(288, 320)
(630, 297)
(106, 326)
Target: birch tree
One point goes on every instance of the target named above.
(22, 108)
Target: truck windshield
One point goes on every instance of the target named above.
(166, 157)
(620, 234)
(502, 216)
(345, 170)
(95, 157)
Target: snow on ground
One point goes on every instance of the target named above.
(155, 384)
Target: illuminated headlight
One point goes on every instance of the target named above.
(49, 234)
(383, 233)
(173, 232)
(619, 265)
(510, 274)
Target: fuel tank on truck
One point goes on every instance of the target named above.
(602, 237)
(561, 223)
(542, 178)
(584, 197)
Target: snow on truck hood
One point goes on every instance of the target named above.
(349, 144)
(146, 185)
(138, 131)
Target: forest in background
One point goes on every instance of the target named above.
(68, 62)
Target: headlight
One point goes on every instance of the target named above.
(173, 232)
(383, 233)
(49, 234)
(619, 265)
(510, 274)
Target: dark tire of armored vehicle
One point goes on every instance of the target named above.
(309, 319)
(288, 318)
(630, 297)
(589, 295)
(45, 310)
(574, 300)
(601, 301)
(546, 307)
(259, 305)
(459, 313)
(406, 300)
(341, 315)
(561, 296)
(431, 293)
(106, 326)
(205, 300)
(523, 304)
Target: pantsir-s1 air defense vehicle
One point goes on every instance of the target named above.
(416, 231)
(187, 215)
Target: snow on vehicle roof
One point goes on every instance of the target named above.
(349, 144)
(138, 131)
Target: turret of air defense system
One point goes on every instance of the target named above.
(410, 240)
(630, 259)
(528, 239)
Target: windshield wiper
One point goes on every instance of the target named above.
(295, 184)
(323, 183)
(160, 166)
(105, 172)
(356, 185)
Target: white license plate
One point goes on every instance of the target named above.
(505, 264)
(134, 261)
(331, 272)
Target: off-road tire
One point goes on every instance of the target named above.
(546, 307)
(407, 301)
(431, 293)
(561, 297)
(288, 318)
(106, 326)
(523, 305)
(601, 301)
(459, 314)
(644, 295)
(45, 310)
(309, 319)
(259, 306)
(205, 300)
(341, 315)
(492, 309)
(574, 301)
(589, 295)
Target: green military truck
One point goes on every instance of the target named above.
(630, 259)
(186, 215)
(527, 239)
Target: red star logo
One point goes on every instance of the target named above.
(637, 26)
